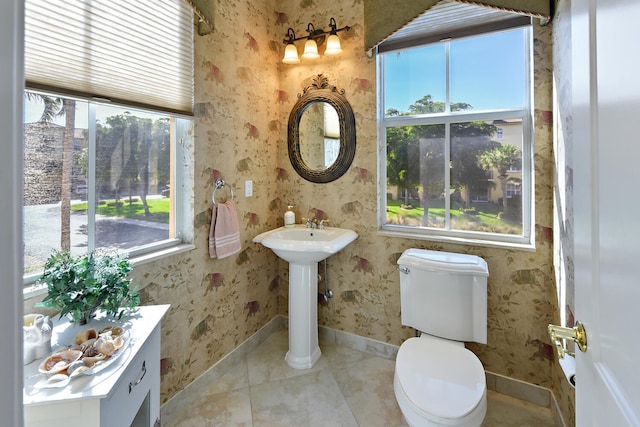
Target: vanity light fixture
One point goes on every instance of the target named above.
(315, 38)
(291, 51)
(310, 46)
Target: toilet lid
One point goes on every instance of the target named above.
(440, 378)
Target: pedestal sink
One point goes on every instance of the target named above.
(303, 248)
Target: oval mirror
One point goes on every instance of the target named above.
(321, 133)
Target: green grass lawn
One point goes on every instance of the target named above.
(158, 208)
(486, 219)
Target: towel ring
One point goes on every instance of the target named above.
(220, 184)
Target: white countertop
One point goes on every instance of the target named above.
(139, 324)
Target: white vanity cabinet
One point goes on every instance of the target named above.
(124, 393)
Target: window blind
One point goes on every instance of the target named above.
(452, 19)
(137, 53)
(382, 18)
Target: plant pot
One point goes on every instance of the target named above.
(85, 316)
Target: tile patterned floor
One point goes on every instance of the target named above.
(345, 388)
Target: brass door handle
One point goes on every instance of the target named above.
(559, 333)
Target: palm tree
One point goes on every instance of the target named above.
(501, 158)
(69, 110)
(51, 108)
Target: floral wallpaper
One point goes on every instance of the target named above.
(216, 304)
(243, 96)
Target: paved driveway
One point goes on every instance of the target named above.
(42, 233)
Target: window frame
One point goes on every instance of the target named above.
(526, 240)
(181, 179)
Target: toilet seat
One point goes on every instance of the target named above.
(440, 380)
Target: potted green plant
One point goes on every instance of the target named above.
(80, 285)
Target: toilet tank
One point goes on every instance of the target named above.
(444, 294)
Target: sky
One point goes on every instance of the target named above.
(487, 72)
(33, 110)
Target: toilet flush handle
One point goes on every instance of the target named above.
(404, 270)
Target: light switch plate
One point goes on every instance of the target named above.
(248, 188)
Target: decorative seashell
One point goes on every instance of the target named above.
(73, 366)
(90, 351)
(78, 371)
(57, 380)
(114, 331)
(88, 343)
(107, 348)
(85, 335)
(118, 342)
(59, 361)
(92, 360)
(101, 339)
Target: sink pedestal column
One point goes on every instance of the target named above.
(304, 351)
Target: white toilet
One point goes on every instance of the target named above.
(437, 381)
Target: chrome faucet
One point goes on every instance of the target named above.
(314, 223)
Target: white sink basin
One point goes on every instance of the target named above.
(302, 245)
(303, 248)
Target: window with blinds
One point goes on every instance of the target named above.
(108, 125)
(129, 52)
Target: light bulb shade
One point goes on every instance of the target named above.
(310, 50)
(291, 54)
(333, 45)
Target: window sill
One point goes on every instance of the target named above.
(35, 290)
(156, 255)
(457, 240)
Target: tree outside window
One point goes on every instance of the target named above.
(456, 154)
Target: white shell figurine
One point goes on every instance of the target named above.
(37, 330)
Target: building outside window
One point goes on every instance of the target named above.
(456, 130)
(513, 189)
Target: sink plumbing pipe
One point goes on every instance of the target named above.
(328, 293)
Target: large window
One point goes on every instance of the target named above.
(455, 125)
(107, 125)
(99, 176)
